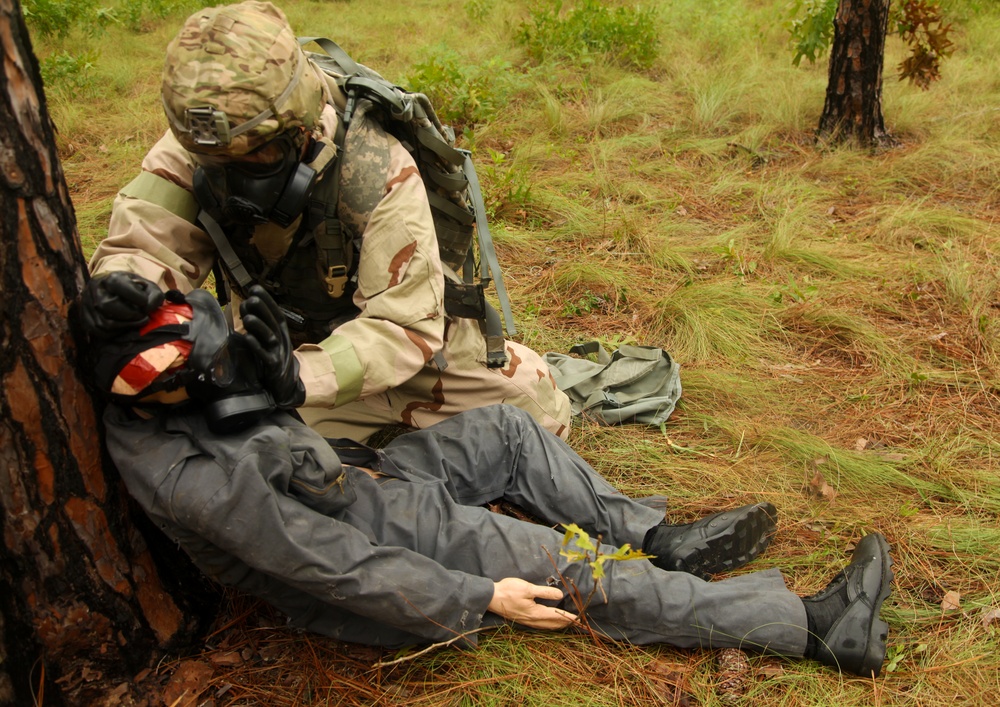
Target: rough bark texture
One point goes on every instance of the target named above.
(82, 603)
(853, 108)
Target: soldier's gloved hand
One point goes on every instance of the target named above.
(267, 335)
(116, 301)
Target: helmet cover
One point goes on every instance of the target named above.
(235, 77)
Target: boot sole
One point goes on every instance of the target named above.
(746, 533)
(878, 632)
(864, 655)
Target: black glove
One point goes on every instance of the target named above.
(267, 335)
(118, 301)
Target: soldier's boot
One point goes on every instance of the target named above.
(845, 630)
(717, 543)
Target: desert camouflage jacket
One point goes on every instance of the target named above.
(399, 295)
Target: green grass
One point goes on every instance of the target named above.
(832, 311)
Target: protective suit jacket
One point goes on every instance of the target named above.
(398, 358)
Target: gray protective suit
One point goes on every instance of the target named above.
(409, 555)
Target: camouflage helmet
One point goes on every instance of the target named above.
(235, 77)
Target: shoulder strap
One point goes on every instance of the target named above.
(233, 263)
(490, 267)
(335, 52)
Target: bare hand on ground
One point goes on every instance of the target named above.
(515, 600)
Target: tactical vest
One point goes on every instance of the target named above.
(295, 284)
(315, 280)
(316, 295)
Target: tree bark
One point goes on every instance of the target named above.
(83, 606)
(853, 108)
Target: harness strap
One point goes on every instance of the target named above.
(389, 99)
(334, 258)
(233, 263)
(467, 300)
(450, 209)
(333, 49)
(432, 141)
(487, 252)
(449, 181)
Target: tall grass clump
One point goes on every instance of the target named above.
(819, 327)
(707, 321)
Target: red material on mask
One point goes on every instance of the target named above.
(146, 367)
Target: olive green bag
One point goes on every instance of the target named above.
(635, 384)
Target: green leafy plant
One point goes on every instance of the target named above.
(811, 29)
(590, 302)
(57, 18)
(506, 188)
(895, 655)
(479, 9)
(462, 94)
(742, 267)
(578, 546)
(592, 29)
(68, 70)
(794, 292)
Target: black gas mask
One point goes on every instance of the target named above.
(269, 184)
(223, 372)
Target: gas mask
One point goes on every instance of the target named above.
(187, 353)
(269, 184)
(223, 372)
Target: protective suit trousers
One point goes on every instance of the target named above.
(430, 500)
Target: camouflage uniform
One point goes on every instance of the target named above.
(400, 359)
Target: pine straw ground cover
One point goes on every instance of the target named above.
(835, 312)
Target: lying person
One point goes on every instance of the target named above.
(394, 546)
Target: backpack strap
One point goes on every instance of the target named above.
(592, 347)
(487, 252)
(335, 52)
(334, 254)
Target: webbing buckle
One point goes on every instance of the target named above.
(208, 126)
(336, 280)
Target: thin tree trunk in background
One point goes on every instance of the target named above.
(853, 107)
(82, 603)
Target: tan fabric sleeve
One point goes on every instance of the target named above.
(156, 237)
(400, 282)
(400, 294)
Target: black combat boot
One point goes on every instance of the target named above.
(717, 543)
(845, 630)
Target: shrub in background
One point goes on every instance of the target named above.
(462, 95)
(625, 35)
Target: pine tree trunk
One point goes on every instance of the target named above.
(853, 108)
(82, 603)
